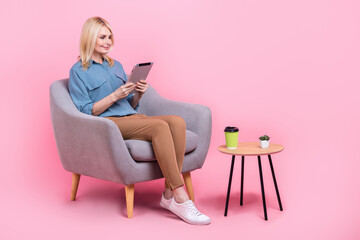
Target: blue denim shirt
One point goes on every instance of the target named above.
(98, 81)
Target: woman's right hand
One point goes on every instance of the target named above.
(124, 90)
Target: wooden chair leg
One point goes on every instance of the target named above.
(129, 195)
(74, 187)
(189, 186)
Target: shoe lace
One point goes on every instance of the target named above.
(193, 209)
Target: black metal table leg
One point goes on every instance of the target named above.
(276, 187)
(262, 188)
(229, 186)
(242, 180)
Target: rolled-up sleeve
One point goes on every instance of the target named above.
(79, 93)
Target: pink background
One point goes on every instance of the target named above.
(289, 69)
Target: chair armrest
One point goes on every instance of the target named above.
(197, 117)
(89, 145)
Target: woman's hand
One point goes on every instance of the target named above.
(103, 104)
(141, 87)
(124, 90)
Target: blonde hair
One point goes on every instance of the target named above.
(89, 34)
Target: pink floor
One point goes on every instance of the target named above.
(313, 208)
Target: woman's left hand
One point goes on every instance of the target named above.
(141, 87)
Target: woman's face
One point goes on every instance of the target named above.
(103, 42)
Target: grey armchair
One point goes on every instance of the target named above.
(93, 146)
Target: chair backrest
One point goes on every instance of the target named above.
(60, 99)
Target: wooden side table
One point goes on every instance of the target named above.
(252, 149)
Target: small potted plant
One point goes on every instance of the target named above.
(264, 141)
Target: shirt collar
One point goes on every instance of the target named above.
(92, 61)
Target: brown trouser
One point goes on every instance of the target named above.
(167, 135)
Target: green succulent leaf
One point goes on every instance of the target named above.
(264, 138)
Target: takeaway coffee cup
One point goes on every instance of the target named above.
(231, 137)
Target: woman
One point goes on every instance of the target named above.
(98, 86)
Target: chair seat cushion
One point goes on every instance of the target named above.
(142, 150)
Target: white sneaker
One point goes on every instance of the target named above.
(165, 203)
(188, 212)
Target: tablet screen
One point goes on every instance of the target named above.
(140, 72)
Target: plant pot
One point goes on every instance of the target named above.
(264, 144)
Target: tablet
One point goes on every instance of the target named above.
(140, 72)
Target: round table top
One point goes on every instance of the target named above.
(252, 149)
